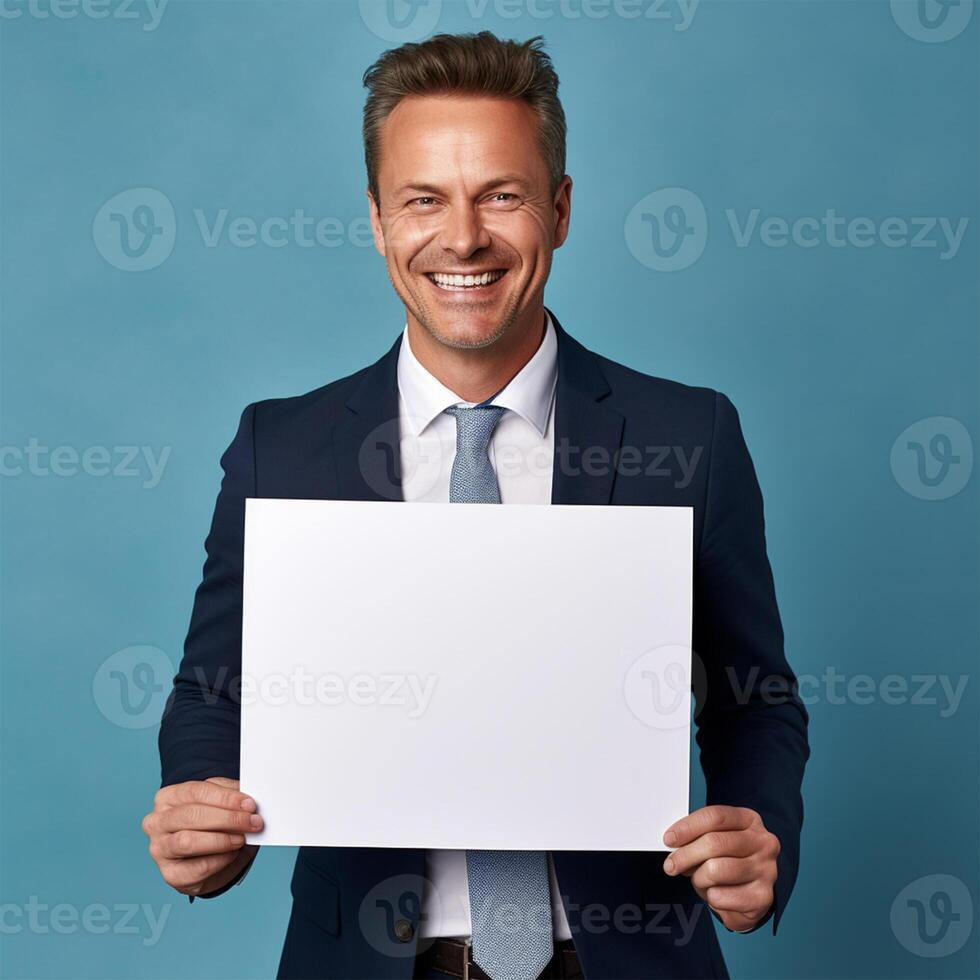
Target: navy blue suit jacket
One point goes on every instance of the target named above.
(620, 437)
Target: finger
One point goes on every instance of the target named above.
(715, 844)
(233, 784)
(750, 899)
(706, 820)
(725, 871)
(738, 922)
(198, 816)
(196, 843)
(200, 791)
(186, 874)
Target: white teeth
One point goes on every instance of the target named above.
(484, 279)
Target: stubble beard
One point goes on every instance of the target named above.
(430, 323)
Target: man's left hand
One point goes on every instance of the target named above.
(730, 858)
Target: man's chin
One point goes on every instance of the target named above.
(466, 331)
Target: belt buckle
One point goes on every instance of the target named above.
(467, 946)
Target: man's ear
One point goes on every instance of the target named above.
(379, 238)
(563, 211)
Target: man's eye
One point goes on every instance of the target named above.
(504, 199)
(423, 202)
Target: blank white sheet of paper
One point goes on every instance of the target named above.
(466, 676)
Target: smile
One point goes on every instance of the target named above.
(452, 282)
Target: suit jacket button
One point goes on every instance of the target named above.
(404, 930)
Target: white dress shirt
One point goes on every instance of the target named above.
(522, 454)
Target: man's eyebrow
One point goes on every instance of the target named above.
(422, 188)
(416, 188)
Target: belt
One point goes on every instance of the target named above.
(454, 957)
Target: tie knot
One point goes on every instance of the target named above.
(474, 426)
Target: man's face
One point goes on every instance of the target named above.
(465, 192)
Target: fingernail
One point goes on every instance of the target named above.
(248, 804)
(669, 866)
(670, 838)
(256, 821)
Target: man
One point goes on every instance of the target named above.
(465, 150)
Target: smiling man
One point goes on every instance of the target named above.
(467, 211)
(484, 398)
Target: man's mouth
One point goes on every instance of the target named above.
(455, 282)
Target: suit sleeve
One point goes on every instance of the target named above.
(199, 733)
(752, 725)
(201, 725)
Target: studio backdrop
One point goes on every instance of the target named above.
(774, 199)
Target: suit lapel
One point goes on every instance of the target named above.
(366, 442)
(587, 433)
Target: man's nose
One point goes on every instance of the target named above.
(463, 232)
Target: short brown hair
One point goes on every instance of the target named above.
(472, 64)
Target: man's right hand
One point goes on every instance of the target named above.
(196, 832)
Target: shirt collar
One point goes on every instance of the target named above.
(528, 394)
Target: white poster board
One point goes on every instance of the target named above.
(454, 675)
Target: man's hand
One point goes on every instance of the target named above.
(730, 858)
(196, 832)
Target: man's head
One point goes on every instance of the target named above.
(464, 141)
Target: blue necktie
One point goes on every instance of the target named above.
(510, 898)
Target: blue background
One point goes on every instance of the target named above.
(829, 354)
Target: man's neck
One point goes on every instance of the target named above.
(476, 374)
